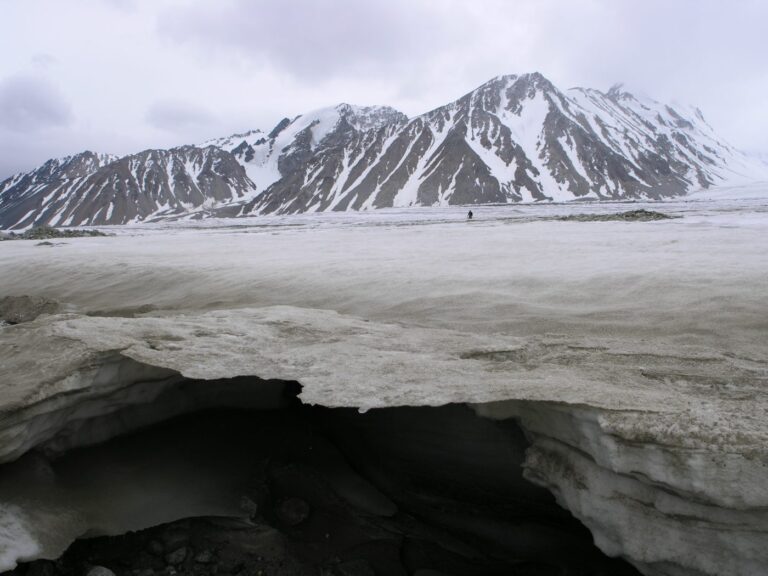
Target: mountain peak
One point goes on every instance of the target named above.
(617, 92)
(620, 91)
(370, 117)
(527, 83)
(533, 78)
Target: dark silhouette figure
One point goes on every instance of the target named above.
(469, 215)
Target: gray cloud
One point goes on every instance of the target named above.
(43, 60)
(426, 52)
(28, 103)
(178, 116)
(125, 5)
(314, 40)
(21, 152)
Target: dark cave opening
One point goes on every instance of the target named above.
(294, 489)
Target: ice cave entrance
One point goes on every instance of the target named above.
(237, 475)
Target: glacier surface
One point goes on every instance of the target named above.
(633, 354)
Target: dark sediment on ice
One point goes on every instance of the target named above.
(49, 232)
(18, 309)
(630, 216)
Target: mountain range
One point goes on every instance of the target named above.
(516, 138)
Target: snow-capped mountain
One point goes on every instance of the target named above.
(89, 189)
(286, 150)
(513, 139)
(516, 138)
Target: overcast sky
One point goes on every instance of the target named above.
(120, 76)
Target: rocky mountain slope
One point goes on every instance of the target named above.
(513, 139)
(97, 189)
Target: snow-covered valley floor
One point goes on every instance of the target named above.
(634, 355)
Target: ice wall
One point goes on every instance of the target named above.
(673, 508)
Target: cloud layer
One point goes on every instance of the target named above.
(178, 117)
(134, 74)
(29, 104)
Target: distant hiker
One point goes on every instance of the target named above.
(469, 215)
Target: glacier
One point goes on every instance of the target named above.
(633, 356)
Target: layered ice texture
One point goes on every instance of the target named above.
(633, 354)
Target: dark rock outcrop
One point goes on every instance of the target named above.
(18, 309)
